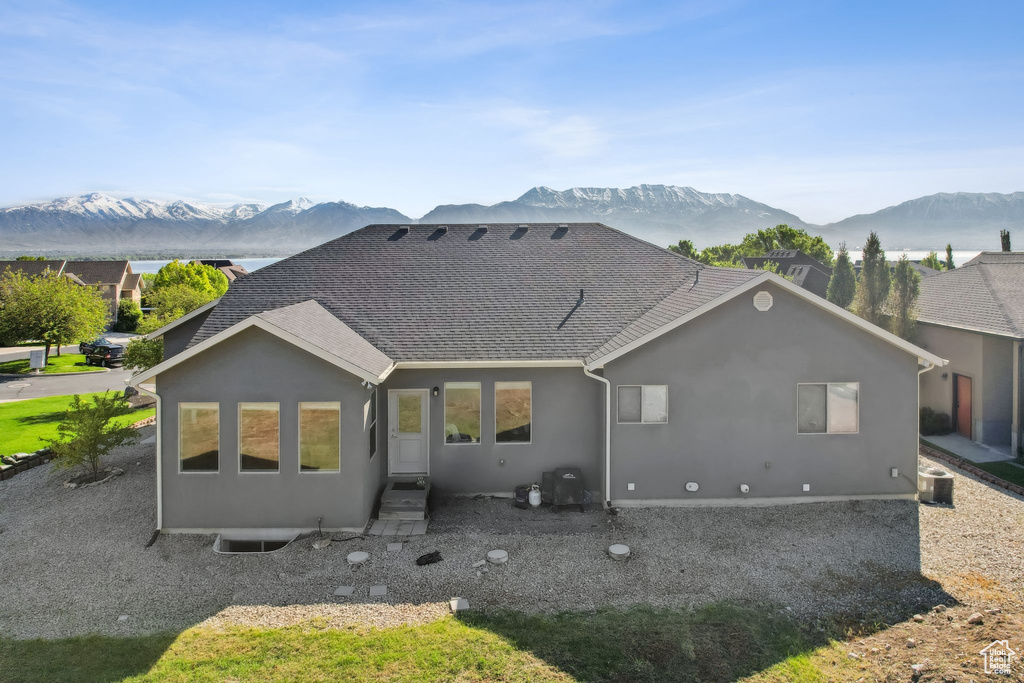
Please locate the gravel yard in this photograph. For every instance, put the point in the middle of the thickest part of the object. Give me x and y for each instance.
(75, 561)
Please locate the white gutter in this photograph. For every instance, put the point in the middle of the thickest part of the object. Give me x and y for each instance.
(607, 434)
(159, 461)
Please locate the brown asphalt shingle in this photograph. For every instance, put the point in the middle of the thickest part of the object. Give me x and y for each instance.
(97, 272)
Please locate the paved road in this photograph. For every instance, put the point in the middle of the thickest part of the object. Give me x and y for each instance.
(18, 352)
(13, 388)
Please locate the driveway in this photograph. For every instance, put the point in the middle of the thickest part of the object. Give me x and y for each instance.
(31, 386)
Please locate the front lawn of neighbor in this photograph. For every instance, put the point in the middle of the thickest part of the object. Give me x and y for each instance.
(1004, 470)
(69, 362)
(24, 424)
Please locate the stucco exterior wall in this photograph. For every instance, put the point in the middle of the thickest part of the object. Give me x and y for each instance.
(177, 338)
(566, 429)
(255, 366)
(988, 361)
(732, 379)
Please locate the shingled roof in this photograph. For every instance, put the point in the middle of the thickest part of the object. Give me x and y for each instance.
(98, 272)
(984, 295)
(477, 293)
(32, 268)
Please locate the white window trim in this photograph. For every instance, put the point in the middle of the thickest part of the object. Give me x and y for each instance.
(375, 413)
(511, 443)
(828, 401)
(199, 403)
(298, 438)
(480, 413)
(641, 422)
(238, 443)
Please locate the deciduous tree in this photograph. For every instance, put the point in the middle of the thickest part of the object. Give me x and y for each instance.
(87, 434)
(49, 308)
(204, 279)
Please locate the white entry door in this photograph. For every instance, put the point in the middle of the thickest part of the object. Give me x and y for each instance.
(408, 420)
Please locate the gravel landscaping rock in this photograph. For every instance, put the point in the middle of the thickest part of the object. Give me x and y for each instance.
(815, 559)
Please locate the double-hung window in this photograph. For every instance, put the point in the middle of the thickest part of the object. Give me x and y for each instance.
(643, 404)
(828, 408)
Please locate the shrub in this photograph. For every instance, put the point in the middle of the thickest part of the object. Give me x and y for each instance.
(933, 422)
(86, 433)
(143, 353)
(128, 316)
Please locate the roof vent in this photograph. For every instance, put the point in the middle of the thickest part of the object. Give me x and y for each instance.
(519, 232)
(398, 234)
(478, 233)
(442, 228)
(438, 233)
(559, 233)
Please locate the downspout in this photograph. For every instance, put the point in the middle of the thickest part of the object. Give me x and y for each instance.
(607, 435)
(159, 460)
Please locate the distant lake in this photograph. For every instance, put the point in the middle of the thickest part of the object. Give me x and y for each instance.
(250, 264)
(959, 257)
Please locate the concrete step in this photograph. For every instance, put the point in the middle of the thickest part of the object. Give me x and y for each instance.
(411, 514)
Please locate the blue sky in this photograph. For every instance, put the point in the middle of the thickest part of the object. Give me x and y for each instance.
(822, 108)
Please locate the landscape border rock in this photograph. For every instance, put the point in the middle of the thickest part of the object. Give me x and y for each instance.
(111, 472)
(968, 467)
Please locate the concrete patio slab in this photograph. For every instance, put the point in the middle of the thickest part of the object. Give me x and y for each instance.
(344, 591)
(394, 547)
(378, 591)
(969, 450)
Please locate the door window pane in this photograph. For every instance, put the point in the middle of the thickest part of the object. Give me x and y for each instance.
(320, 437)
(811, 404)
(258, 437)
(655, 403)
(512, 412)
(462, 412)
(629, 404)
(199, 437)
(842, 408)
(410, 414)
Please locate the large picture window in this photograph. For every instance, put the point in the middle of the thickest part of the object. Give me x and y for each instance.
(828, 408)
(643, 404)
(513, 412)
(462, 412)
(320, 437)
(199, 437)
(259, 440)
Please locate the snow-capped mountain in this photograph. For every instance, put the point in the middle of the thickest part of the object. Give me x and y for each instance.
(968, 220)
(659, 213)
(663, 214)
(100, 223)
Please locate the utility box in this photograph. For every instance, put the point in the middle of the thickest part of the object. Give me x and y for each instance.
(37, 359)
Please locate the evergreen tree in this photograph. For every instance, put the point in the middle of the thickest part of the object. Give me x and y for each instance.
(875, 282)
(843, 285)
(949, 257)
(906, 284)
(1004, 240)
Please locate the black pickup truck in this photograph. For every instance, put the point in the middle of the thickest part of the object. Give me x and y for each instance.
(108, 355)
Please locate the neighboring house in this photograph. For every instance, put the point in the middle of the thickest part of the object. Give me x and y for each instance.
(923, 271)
(482, 356)
(805, 271)
(33, 268)
(230, 269)
(974, 316)
(114, 279)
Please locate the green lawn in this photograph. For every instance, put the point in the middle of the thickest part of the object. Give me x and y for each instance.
(69, 362)
(716, 643)
(24, 424)
(1004, 470)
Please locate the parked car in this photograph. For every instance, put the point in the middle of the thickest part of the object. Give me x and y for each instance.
(108, 355)
(87, 347)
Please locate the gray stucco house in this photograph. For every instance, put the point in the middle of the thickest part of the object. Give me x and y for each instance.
(974, 316)
(482, 356)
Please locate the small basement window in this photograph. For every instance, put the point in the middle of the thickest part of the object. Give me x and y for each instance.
(238, 546)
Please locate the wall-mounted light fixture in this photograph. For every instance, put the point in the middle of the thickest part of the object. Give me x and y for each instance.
(436, 390)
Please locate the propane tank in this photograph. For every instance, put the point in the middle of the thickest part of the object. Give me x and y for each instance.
(534, 495)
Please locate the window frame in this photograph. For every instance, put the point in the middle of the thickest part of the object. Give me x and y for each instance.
(511, 443)
(828, 403)
(239, 441)
(298, 438)
(199, 403)
(371, 428)
(480, 414)
(642, 421)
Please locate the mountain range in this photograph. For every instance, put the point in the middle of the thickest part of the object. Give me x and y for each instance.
(100, 224)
